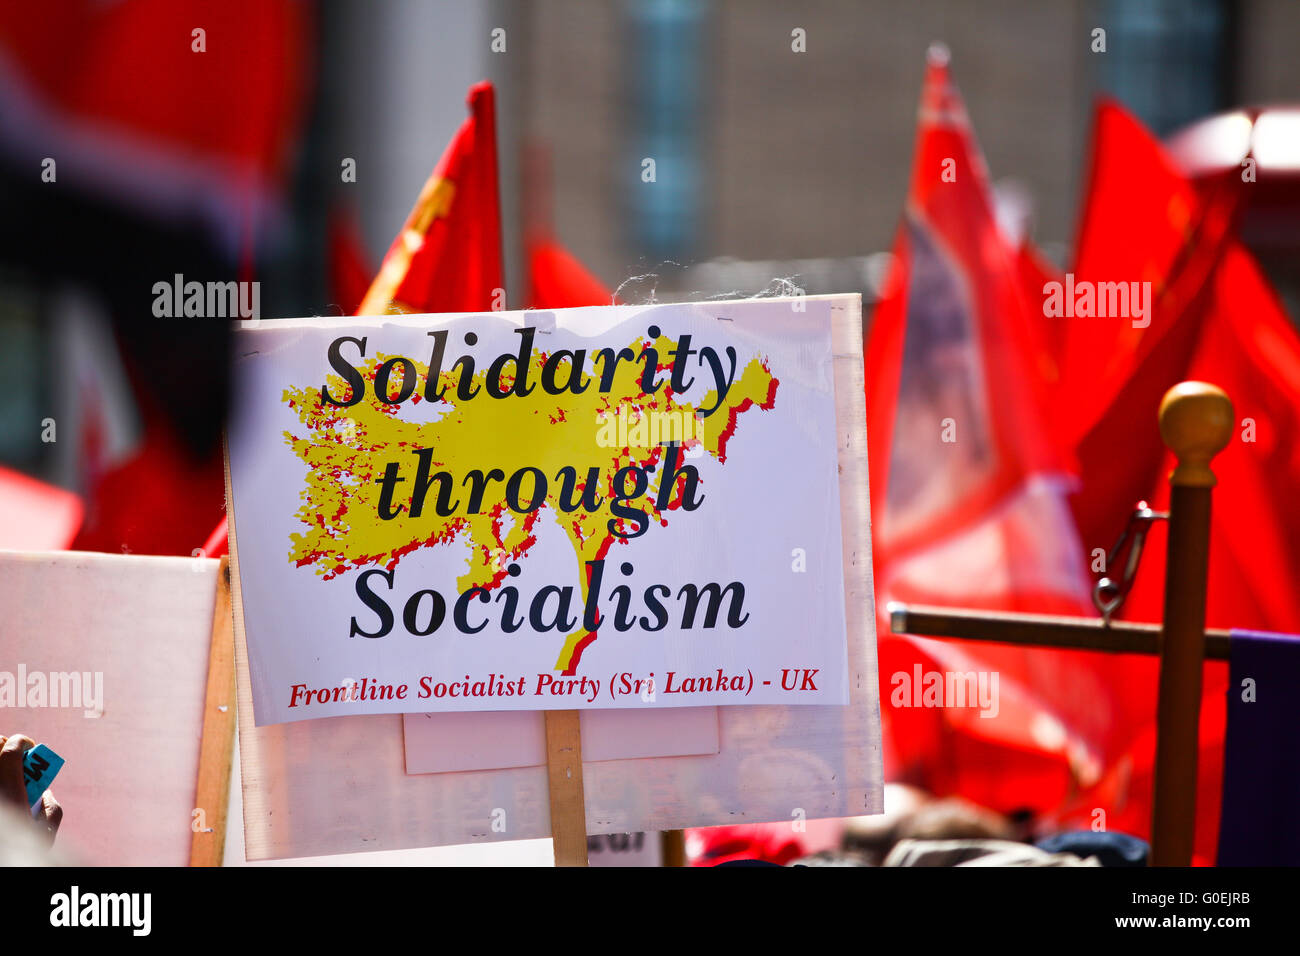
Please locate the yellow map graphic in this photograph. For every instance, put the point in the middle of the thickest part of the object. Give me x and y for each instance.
(347, 449)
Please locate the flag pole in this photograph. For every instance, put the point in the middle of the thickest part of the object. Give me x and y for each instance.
(1196, 421)
(1042, 630)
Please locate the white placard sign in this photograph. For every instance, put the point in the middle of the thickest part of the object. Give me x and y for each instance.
(618, 507)
(341, 785)
(117, 646)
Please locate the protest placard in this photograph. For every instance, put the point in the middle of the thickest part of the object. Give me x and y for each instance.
(346, 784)
(597, 508)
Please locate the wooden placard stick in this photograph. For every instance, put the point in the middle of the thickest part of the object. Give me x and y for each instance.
(1196, 422)
(217, 746)
(674, 847)
(564, 782)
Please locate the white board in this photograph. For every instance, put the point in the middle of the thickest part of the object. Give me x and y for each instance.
(141, 627)
(663, 524)
(339, 784)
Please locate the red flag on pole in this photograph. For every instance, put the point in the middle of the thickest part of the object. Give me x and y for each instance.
(557, 280)
(953, 397)
(969, 492)
(1247, 346)
(350, 271)
(447, 258)
(190, 119)
(1146, 229)
(1213, 318)
(1250, 349)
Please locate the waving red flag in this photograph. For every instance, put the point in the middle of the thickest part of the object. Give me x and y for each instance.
(1138, 218)
(350, 271)
(447, 258)
(185, 116)
(1142, 222)
(969, 491)
(557, 280)
(1214, 318)
(182, 120)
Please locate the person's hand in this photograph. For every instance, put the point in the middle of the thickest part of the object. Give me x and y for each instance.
(13, 788)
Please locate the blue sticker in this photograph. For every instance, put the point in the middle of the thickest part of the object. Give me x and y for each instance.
(40, 766)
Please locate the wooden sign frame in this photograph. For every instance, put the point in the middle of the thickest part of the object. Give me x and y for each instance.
(217, 746)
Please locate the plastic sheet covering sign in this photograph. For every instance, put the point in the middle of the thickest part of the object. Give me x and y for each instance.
(615, 507)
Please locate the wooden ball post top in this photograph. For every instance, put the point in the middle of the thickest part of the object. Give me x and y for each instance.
(1196, 423)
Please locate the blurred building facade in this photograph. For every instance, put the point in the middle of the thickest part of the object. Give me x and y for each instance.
(807, 154)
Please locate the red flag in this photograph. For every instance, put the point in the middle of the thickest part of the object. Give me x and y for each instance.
(556, 280)
(349, 270)
(1142, 222)
(954, 327)
(447, 258)
(161, 501)
(1217, 320)
(1035, 273)
(183, 118)
(187, 116)
(968, 492)
(1138, 216)
(217, 543)
(1251, 350)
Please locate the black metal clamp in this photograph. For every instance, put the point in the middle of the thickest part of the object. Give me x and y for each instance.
(1108, 594)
